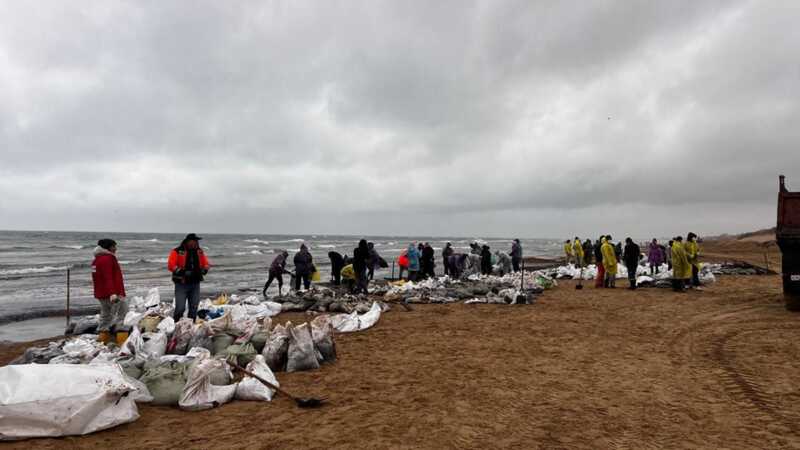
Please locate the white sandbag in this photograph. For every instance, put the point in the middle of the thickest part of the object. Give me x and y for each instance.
(84, 347)
(133, 345)
(184, 330)
(301, 354)
(38, 400)
(153, 298)
(132, 318)
(644, 280)
(707, 277)
(250, 388)
(141, 394)
(250, 300)
(221, 323)
(167, 326)
(347, 323)
(266, 309)
(199, 393)
(155, 344)
(136, 304)
(237, 312)
(195, 354)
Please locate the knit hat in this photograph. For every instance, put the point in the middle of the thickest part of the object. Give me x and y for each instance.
(106, 243)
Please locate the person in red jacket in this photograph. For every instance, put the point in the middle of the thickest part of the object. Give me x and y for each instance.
(109, 289)
(188, 264)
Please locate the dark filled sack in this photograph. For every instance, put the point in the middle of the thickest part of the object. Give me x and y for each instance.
(165, 382)
(301, 354)
(276, 347)
(86, 325)
(241, 354)
(259, 340)
(322, 334)
(221, 342)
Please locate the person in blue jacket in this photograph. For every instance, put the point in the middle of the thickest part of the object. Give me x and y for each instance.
(413, 262)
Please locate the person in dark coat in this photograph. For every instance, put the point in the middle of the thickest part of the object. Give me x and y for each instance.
(374, 260)
(337, 264)
(516, 254)
(303, 267)
(486, 260)
(447, 252)
(457, 263)
(474, 248)
(427, 261)
(276, 271)
(588, 251)
(617, 249)
(360, 262)
(631, 258)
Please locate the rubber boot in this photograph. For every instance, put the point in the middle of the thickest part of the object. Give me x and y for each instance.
(104, 337)
(121, 337)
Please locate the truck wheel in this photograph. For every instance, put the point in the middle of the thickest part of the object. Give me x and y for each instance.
(793, 303)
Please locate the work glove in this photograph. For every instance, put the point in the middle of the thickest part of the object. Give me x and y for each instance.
(204, 272)
(114, 298)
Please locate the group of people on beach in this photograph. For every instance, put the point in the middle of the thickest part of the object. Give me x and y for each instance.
(188, 265)
(681, 257)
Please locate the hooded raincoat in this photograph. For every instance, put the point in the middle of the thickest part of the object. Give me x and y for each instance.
(577, 247)
(692, 253)
(412, 254)
(609, 258)
(680, 264)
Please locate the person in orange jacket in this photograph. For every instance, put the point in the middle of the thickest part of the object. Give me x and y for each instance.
(188, 265)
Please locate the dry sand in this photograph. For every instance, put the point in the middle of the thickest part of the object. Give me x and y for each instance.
(590, 369)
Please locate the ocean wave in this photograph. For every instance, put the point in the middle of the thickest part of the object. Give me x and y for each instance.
(252, 246)
(14, 248)
(257, 241)
(325, 246)
(29, 270)
(147, 241)
(69, 247)
(255, 252)
(292, 240)
(157, 260)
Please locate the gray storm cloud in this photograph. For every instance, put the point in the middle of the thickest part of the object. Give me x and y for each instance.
(502, 118)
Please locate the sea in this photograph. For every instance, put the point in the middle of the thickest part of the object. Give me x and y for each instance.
(33, 264)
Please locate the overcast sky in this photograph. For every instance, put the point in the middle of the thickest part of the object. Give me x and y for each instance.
(488, 118)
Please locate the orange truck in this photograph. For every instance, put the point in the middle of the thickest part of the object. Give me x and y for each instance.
(788, 237)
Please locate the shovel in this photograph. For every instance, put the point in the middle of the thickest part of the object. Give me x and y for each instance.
(579, 286)
(301, 402)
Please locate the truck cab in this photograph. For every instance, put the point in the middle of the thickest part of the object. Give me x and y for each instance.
(787, 235)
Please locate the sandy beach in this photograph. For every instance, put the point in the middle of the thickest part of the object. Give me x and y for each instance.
(579, 369)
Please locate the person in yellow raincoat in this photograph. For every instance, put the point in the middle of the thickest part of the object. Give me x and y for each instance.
(609, 262)
(681, 270)
(567, 251)
(693, 257)
(577, 250)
